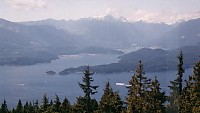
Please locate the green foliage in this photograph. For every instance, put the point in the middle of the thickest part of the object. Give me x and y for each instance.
(45, 103)
(28, 108)
(57, 104)
(4, 108)
(156, 98)
(19, 108)
(110, 101)
(36, 107)
(144, 95)
(190, 99)
(176, 87)
(81, 106)
(85, 103)
(136, 99)
(65, 106)
(180, 72)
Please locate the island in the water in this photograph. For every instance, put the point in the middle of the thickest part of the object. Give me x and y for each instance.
(154, 60)
(50, 72)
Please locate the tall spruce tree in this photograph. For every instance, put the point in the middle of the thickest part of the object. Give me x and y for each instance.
(4, 108)
(45, 103)
(36, 108)
(57, 104)
(190, 98)
(156, 98)
(19, 108)
(137, 96)
(110, 101)
(118, 102)
(65, 106)
(28, 108)
(195, 88)
(176, 87)
(186, 103)
(85, 103)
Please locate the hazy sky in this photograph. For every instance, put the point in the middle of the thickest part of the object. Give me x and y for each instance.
(148, 10)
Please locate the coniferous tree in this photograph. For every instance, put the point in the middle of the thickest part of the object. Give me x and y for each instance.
(186, 104)
(45, 103)
(190, 98)
(137, 95)
(117, 103)
(4, 108)
(176, 87)
(180, 72)
(65, 106)
(85, 103)
(51, 103)
(36, 108)
(28, 108)
(94, 105)
(105, 102)
(56, 105)
(110, 101)
(31, 108)
(195, 88)
(144, 95)
(50, 108)
(19, 108)
(156, 98)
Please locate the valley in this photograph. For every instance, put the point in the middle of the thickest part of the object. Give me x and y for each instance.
(32, 42)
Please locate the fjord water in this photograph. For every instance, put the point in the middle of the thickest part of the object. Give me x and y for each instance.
(30, 83)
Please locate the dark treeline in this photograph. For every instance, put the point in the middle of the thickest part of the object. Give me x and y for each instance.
(144, 96)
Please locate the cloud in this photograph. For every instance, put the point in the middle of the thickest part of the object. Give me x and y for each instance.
(108, 11)
(168, 17)
(162, 16)
(27, 4)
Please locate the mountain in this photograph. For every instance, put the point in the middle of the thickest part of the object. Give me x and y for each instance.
(152, 59)
(183, 34)
(24, 45)
(98, 50)
(94, 35)
(29, 44)
(102, 31)
(35, 36)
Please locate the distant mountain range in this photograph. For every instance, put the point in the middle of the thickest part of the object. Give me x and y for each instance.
(153, 60)
(46, 39)
(115, 33)
(25, 45)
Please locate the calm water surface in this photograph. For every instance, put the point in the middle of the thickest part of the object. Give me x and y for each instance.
(30, 83)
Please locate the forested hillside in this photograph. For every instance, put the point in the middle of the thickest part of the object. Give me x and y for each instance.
(154, 60)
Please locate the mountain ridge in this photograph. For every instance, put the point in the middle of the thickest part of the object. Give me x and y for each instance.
(102, 32)
(75, 36)
(154, 60)
(38, 44)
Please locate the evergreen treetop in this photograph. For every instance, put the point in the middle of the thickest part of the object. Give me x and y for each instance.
(176, 87)
(85, 102)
